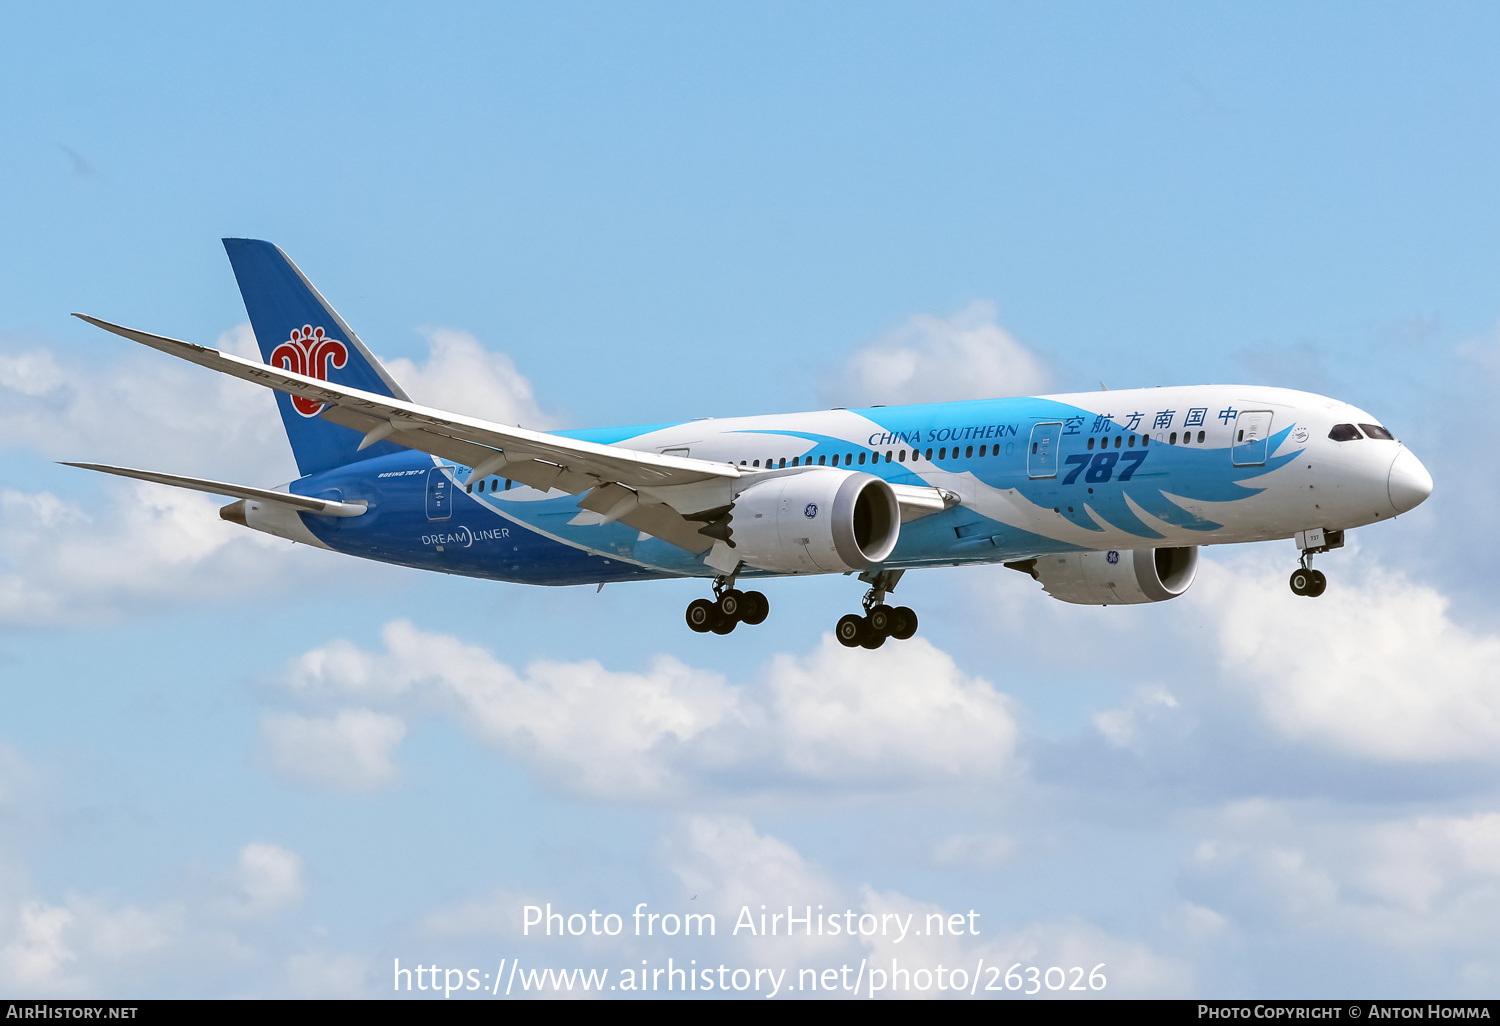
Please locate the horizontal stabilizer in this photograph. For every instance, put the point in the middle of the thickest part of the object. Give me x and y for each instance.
(305, 503)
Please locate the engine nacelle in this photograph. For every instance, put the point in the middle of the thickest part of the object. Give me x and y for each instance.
(818, 521)
(1117, 577)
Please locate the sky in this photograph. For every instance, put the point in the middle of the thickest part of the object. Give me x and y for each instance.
(231, 766)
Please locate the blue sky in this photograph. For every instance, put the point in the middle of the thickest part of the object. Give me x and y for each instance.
(229, 766)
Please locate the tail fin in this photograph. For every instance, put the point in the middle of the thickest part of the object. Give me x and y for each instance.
(298, 331)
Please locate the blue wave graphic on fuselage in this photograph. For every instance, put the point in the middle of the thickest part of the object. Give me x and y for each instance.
(525, 536)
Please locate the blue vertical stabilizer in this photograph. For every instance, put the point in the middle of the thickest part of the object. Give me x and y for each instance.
(298, 331)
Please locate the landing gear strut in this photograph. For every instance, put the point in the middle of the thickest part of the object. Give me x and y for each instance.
(1305, 580)
(728, 608)
(880, 620)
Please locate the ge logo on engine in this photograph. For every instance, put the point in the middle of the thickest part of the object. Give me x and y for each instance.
(811, 510)
(1113, 557)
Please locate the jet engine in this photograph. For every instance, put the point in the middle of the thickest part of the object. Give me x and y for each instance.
(1114, 578)
(815, 522)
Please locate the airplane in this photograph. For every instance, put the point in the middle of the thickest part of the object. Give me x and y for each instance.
(1105, 498)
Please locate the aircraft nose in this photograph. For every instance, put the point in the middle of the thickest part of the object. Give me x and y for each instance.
(1409, 483)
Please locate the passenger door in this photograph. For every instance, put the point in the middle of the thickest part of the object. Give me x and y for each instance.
(439, 493)
(1251, 429)
(1041, 460)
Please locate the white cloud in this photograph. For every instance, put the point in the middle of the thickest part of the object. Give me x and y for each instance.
(323, 974)
(931, 359)
(1374, 668)
(60, 564)
(61, 949)
(1428, 882)
(61, 561)
(461, 376)
(904, 710)
(89, 944)
(269, 878)
(350, 751)
(144, 409)
(903, 715)
(1128, 968)
(981, 851)
(726, 863)
(1121, 727)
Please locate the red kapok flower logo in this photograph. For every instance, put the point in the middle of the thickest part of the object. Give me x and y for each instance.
(311, 352)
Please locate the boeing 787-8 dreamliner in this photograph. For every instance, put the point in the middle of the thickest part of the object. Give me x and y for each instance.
(1103, 497)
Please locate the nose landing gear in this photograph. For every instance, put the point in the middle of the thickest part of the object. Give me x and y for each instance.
(1308, 582)
(1305, 580)
(880, 620)
(728, 608)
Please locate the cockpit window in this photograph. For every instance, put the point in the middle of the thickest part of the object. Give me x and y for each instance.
(1344, 433)
(1376, 431)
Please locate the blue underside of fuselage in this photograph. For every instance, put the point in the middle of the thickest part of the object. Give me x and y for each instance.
(523, 537)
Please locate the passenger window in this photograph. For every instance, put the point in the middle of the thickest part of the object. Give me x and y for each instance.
(982, 449)
(783, 463)
(943, 453)
(468, 488)
(1132, 441)
(929, 454)
(969, 452)
(1173, 439)
(1376, 431)
(756, 463)
(1119, 439)
(849, 459)
(1090, 445)
(861, 459)
(901, 456)
(822, 461)
(507, 484)
(1145, 441)
(1201, 436)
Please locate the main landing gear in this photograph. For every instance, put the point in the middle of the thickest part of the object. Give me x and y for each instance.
(1305, 580)
(727, 609)
(880, 620)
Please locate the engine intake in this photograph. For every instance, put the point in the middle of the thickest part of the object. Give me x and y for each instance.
(1114, 578)
(817, 521)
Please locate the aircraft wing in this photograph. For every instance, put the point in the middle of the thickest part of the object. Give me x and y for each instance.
(670, 497)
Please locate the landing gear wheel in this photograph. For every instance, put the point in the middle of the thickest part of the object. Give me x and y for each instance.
(850, 630)
(882, 620)
(873, 638)
(732, 605)
(755, 608)
(1301, 581)
(724, 624)
(702, 615)
(903, 622)
(1317, 585)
